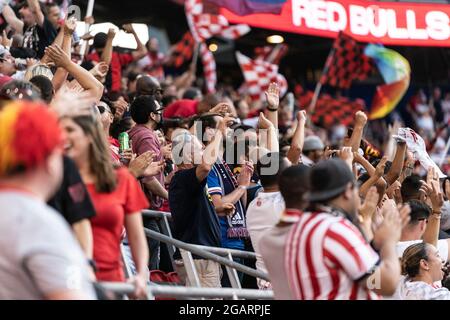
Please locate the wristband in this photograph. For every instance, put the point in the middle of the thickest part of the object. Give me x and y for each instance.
(273, 110)
(93, 264)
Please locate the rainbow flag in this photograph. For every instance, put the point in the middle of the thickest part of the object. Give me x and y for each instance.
(245, 7)
(395, 70)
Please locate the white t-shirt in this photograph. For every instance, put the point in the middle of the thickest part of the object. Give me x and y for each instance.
(419, 290)
(39, 254)
(307, 161)
(263, 213)
(442, 247)
(272, 247)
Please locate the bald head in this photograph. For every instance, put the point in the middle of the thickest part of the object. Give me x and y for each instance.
(147, 85)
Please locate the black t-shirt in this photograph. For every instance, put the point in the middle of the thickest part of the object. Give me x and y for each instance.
(38, 38)
(72, 199)
(194, 218)
(439, 112)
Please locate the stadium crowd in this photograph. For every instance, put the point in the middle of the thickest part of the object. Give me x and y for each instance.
(339, 212)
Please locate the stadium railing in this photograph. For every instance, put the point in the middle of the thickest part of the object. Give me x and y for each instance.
(222, 256)
(180, 292)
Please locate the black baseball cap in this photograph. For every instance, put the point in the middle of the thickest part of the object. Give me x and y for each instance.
(328, 179)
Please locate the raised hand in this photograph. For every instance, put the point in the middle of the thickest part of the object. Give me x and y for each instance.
(87, 36)
(70, 25)
(222, 108)
(360, 118)
(273, 95)
(369, 205)
(111, 33)
(447, 189)
(89, 20)
(100, 70)
(328, 152)
(121, 106)
(436, 196)
(392, 190)
(390, 229)
(246, 174)
(144, 165)
(128, 28)
(263, 122)
(167, 151)
(6, 42)
(58, 56)
(31, 62)
(71, 103)
(379, 170)
(301, 116)
(346, 154)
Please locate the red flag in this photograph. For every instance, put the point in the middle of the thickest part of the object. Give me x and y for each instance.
(258, 74)
(183, 50)
(204, 26)
(346, 63)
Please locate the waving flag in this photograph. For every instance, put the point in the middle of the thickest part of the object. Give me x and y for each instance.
(417, 146)
(204, 26)
(346, 63)
(245, 7)
(395, 70)
(271, 54)
(183, 50)
(258, 74)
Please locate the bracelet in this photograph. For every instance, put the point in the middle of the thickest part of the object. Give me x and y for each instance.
(273, 110)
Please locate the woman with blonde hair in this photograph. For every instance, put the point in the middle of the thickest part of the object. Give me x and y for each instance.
(117, 198)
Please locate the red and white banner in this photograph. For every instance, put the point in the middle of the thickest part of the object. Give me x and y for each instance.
(390, 23)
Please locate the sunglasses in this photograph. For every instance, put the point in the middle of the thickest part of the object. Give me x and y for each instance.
(102, 109)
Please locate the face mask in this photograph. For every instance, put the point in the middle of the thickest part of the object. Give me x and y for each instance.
(159, 125)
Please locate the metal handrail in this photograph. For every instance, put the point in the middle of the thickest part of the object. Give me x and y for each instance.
(189, 292)
(206, 254)
(224, 252)
(156, 214)
(220, 251)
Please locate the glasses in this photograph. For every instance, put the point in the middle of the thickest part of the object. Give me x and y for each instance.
(159, 111)
(102, 109)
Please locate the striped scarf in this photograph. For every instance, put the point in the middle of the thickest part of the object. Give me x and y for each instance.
(236, 222)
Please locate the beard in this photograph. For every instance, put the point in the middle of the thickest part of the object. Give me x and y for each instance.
(159, 125)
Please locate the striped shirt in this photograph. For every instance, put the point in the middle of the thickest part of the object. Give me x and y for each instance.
(326, 256)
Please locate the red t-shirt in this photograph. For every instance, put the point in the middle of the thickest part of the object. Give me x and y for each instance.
(114, 146)
(118, 61)
(182, 108)
(108, 224)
